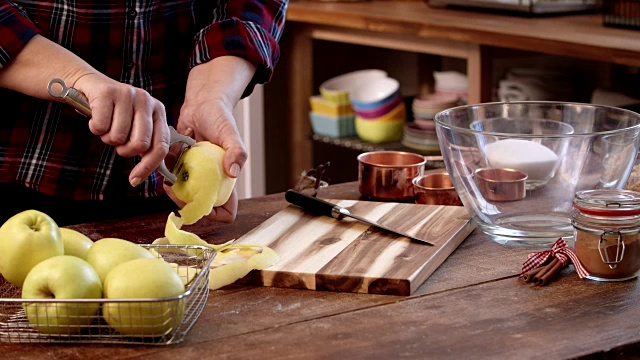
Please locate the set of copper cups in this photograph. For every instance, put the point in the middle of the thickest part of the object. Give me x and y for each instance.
(400, 176)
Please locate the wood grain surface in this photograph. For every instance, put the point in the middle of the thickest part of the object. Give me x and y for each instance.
(577, 35)
(471, 307)
(322, 253)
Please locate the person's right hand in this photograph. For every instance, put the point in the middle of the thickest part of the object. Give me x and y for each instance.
(129, 119)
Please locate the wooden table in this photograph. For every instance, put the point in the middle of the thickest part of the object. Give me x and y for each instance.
(472, 307)
(412, 26)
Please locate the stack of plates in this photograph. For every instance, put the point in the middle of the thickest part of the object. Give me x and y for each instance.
(420, 139)
(421, 134)
(426, 107)
(451, 83)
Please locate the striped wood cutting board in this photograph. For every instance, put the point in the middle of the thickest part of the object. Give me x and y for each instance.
(322, 253)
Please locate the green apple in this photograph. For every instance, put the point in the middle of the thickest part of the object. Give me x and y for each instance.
(61, 277)
(26, 239)
(202, 183)
(107, 253)
(143, 279)
(75, 243)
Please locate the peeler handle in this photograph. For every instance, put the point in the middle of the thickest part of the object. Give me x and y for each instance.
(79, 101)
(70, 96)
(312, 204)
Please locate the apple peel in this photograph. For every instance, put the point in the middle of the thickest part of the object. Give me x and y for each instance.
(236, 261)
(176, 236)
(232, 261)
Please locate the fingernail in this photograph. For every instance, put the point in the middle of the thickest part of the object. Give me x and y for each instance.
(235, 170)
(136, 181)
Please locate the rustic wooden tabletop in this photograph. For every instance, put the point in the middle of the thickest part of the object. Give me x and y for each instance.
(472, 306)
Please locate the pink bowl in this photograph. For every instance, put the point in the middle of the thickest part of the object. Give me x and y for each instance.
(425, 124)
(378, 111)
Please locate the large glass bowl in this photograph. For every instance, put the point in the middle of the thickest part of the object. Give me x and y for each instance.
(561, 147)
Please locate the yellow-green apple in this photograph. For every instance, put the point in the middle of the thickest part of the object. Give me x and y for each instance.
(61, 277)
(143, 279)
(26, 239)
(202, 183)
(75, 243)
(107, 253)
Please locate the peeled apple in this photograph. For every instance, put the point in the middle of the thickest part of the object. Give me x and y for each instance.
(201, 181)
(202, 184)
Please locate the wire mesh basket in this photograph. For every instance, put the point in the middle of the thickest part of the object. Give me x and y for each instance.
(161, 321)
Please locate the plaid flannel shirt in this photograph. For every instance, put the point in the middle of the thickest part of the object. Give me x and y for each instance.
(149, 44)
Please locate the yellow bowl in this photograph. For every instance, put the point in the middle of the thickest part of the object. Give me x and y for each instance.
(378, 132)
(338, 96)
(320, 105)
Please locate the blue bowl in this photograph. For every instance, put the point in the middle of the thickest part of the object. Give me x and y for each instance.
(333, 126)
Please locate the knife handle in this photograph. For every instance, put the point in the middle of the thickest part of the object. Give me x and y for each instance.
(312, 204)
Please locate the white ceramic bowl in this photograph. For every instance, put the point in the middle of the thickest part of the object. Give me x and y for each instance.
(337, 89)
(373, 93)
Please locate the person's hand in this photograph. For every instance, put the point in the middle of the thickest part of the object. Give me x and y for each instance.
(123, 116)
(129, 119)
(213, 90)
(213, 121)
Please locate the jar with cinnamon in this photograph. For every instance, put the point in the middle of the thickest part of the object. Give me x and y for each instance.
(607, 233)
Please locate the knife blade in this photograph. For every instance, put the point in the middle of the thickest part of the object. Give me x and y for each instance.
(322, 207)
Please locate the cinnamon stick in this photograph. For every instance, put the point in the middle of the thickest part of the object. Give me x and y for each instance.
(528, 276)
(541, 280)
(545, 269)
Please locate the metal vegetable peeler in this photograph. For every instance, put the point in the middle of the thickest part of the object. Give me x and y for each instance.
(79, 102)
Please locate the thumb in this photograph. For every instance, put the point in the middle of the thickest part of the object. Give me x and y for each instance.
(234, 159)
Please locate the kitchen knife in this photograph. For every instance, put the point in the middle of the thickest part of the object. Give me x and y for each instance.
(321, 207)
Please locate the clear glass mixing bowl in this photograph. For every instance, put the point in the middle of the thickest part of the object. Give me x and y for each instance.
(562, 147)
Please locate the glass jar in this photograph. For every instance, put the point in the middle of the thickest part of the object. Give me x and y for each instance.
(607, 233)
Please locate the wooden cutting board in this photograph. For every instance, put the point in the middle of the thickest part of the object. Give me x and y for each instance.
(322, 253)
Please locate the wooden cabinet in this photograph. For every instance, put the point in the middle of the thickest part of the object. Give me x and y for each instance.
(422, 36)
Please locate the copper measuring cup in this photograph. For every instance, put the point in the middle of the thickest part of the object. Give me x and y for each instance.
(501, 184)
(435, 189)
(388, 175)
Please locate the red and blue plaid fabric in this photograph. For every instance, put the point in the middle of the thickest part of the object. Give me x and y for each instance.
(47, 146)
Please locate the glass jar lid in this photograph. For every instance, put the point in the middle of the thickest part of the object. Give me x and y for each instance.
(607, 202)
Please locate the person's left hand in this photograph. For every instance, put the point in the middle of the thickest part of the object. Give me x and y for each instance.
(213, 90)
(196, 121)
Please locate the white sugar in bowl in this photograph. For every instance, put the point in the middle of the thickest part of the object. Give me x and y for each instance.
(536, 160)
(531, 145)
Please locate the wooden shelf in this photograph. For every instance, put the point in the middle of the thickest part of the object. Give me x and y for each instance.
(473, 37)
(357, 144)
